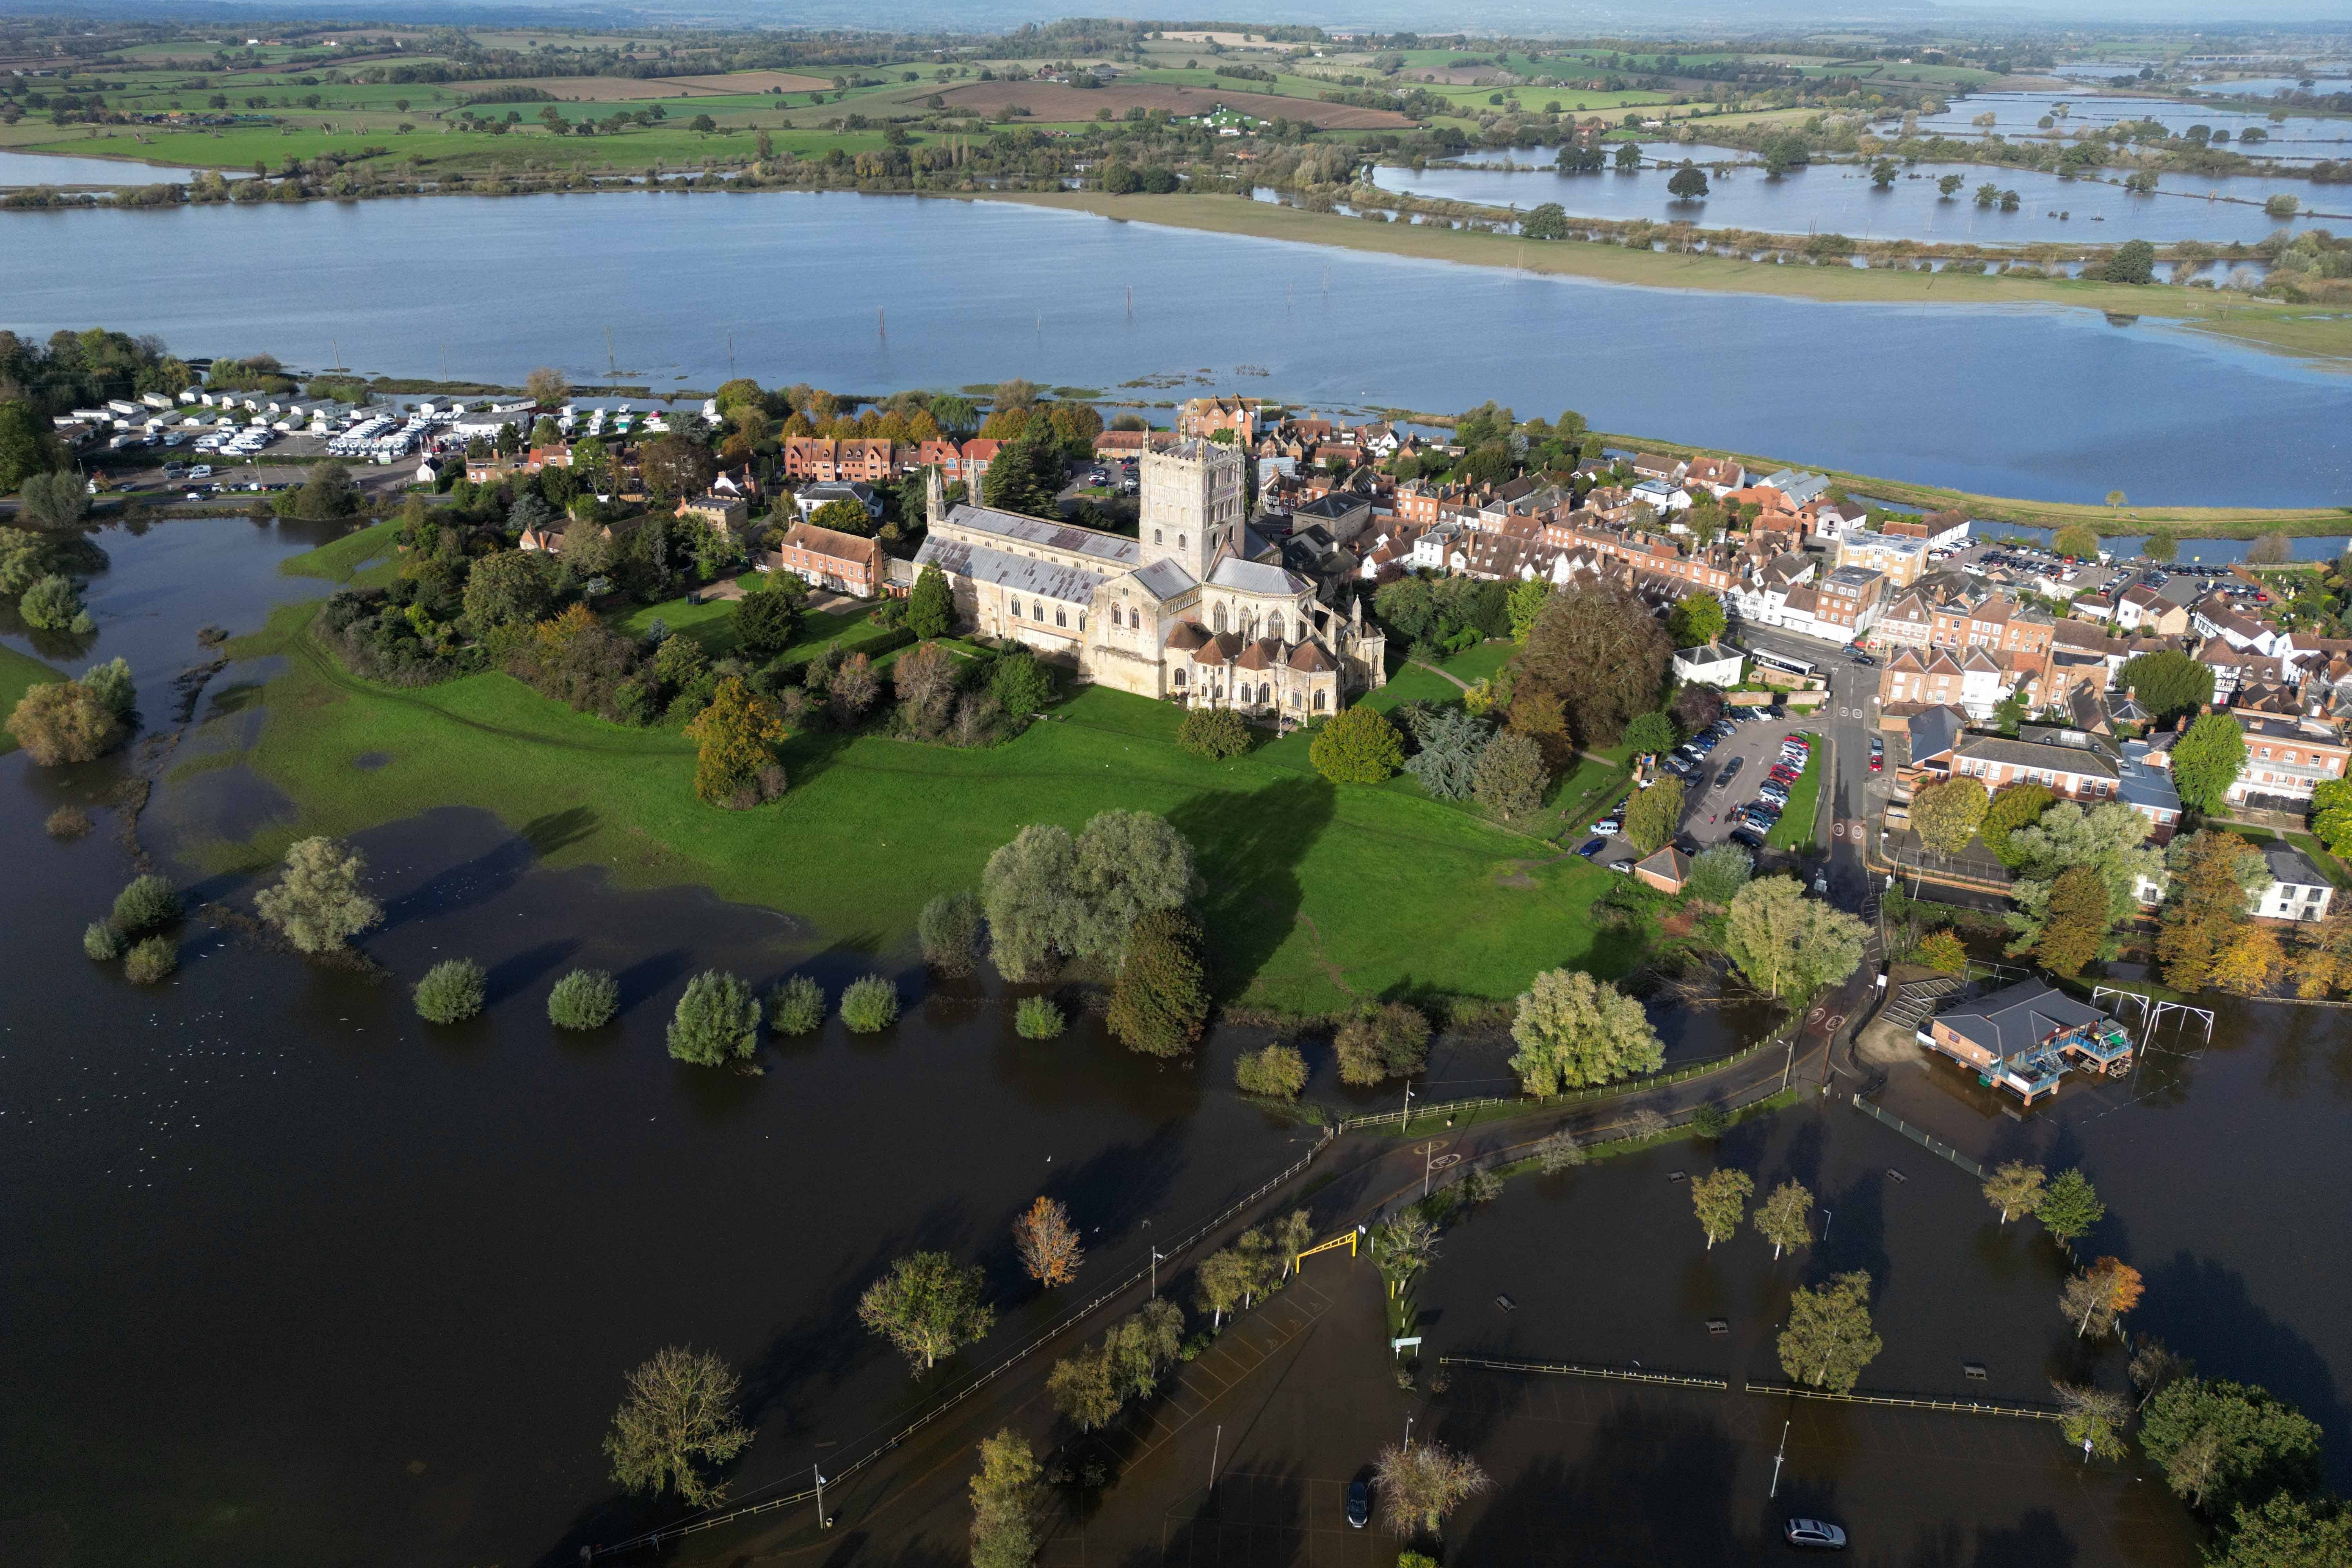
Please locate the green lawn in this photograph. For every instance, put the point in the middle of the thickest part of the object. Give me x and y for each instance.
(1795, 828)
(1315, 894)
(19, 672)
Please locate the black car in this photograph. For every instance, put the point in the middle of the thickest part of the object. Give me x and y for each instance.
(1747, 837)
(1865, 659)
(1730, 769)
(1359, 1505)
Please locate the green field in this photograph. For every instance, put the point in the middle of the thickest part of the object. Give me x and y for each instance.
(1317, 894)
(1795, 828)
(19, 672)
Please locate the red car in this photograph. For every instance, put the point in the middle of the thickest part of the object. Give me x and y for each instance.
(1876, 761)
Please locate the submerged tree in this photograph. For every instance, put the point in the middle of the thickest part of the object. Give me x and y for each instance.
(678, 1417)
(316, 901)
(2015, 1188)
(1047, 1243)
(1783, 1218)
(1418, 1486)
(927, 1307)
(1007, 1497)
(1828, 1337)
(1720, 1200)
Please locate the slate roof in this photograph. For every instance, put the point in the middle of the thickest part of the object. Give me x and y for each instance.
(1936, 731)
(1255, 577)
(1021, 573)
(1165, 579)
(2144, 784)
(2019, 1018)
(2088, 760)
(2289, 867)
(1110, 549)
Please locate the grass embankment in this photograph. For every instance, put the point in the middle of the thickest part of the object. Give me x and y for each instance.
(1316, 896)
(2305, 331)
(1795, 829)
(345, 558)
(20, 672)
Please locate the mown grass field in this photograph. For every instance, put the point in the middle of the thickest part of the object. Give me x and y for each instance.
(18, 673)
(1317, 894)
(1795, 828)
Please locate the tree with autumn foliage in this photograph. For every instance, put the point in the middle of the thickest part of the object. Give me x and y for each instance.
(736, 766)
(2250, 964)
(2095, 1297)
(1047, 1243)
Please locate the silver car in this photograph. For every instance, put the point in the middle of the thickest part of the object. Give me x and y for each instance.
(1817, 1533)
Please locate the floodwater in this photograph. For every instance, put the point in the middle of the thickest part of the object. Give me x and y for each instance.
(45, 168)
(2193, 1156)
(295, 1279)
(1838, 198)
(2019, 114)
(2202, 551)
(870, 294)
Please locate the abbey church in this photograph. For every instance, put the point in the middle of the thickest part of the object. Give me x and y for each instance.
(1197, 608)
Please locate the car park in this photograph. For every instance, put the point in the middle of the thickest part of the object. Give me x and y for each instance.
(1817, 1534)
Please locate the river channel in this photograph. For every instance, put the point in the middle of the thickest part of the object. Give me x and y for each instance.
(870, 294)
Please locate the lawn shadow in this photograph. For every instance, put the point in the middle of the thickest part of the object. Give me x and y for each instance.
(2203, 1310)
(1655, 1485)
(558, 829)
(511, 974)
(1248, 849)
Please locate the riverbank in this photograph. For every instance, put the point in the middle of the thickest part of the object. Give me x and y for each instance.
(1304, 880)
(2310, 332)
(2107, 522)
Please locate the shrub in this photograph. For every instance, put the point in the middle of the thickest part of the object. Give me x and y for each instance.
(1942, 950)
(1359, 746)
(52, 604)
(1710, 1120)
(317, 902)
(1160, 1002)
(1279, 1071)
(949, 928)
(1037, 1019)
(451, 992)
(150, 961)
(65, 722)
(1391, 1041)
(583, 999)
(1216, 734)
(869, 1005)
(716, 1020)
(68, 823)
(98, 941)
(147, 903)
(796, 1007)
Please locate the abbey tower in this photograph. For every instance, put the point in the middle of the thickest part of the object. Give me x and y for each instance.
(1192, 505)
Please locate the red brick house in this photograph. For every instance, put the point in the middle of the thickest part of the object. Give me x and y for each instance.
(826, 558)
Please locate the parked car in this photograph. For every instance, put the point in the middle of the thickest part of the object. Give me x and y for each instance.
(1748, 838)
(1359, 1505)
(1730, 769)
(1593, 847)
(1863, 659)
(201, 471)
(1609, 825)
(1815, 1533)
